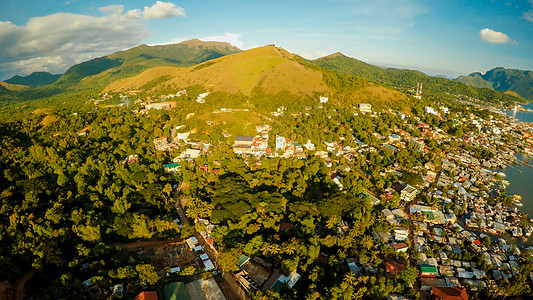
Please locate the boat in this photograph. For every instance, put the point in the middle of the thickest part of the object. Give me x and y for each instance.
(519, 204)
(528, 231)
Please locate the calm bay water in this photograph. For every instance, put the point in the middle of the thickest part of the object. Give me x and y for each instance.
(523, 116)
(521, 182)
(520, 177)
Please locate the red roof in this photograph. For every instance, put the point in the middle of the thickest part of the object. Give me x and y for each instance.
(286, 226)
(448, 293)
(477, 242)
(404, 132)
(400, 246)
(150, 295)
(393, 268)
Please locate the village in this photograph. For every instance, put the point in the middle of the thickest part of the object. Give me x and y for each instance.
(461, 218)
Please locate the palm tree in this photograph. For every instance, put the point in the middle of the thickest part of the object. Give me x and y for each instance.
(350, 278)
(367, 242)
(332, 222)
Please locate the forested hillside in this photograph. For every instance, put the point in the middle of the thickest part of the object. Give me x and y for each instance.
(34, 79)
(502, 79)
(407, 79)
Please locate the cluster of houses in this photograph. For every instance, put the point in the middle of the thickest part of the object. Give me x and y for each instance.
(257, 146)
(462, 179)
(458, 183)
(255, 274)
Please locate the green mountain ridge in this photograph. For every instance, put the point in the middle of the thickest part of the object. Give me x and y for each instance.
(99, 72)
(126, 70)
(34, 79)
(476, 80)
(502, 79)
(406, 79)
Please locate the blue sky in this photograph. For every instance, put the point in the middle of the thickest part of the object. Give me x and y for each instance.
(438, 37)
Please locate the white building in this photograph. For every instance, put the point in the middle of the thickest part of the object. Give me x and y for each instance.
(430, 110)
(201, 98)
(280, 142)
(365, 107)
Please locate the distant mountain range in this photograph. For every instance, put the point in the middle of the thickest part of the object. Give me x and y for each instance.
(99, 72)
(9, 87)
(269, 68)
(404, 78)
(264, 70)
(217, 66)
(502, 79)
(34, 79)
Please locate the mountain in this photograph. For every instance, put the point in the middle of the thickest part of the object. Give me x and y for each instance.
(99, 72)
(475, 79)
(34, 79)
(406, 79)
(268, 69)
(352, 66)
(502, 79)
(9, 87)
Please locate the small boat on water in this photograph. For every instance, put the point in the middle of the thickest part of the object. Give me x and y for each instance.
(519, 204)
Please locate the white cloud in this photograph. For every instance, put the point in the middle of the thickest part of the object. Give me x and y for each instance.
(55, 42)
(389, 8)
(306, 55)
(528, 15)
(134, 14)
(494, 37)
(322, 53)
(163, 10)
(311, 56)
(112, 9)
(384, 19)
(232, 38)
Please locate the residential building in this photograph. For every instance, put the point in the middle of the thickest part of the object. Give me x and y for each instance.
(408, 193)
(448, 293)
(161, 105)
(430, 110)
(243, 144)
(365, 107)
(277, 280)
(429, 271)
(171, 168)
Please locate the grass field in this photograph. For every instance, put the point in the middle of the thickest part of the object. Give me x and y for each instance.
(49, 119)
(265, 67)
(42, 111)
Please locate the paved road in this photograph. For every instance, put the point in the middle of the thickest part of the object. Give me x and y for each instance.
(235, 288)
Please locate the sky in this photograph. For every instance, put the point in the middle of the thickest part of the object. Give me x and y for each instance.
(438, 37)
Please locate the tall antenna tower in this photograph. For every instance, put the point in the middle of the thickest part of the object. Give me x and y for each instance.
(418, 93)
